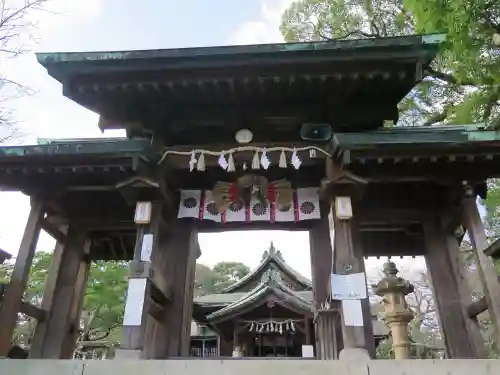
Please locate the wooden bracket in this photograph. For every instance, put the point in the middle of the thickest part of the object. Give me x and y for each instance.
(53, 230)
(161, 290)
(33, 311)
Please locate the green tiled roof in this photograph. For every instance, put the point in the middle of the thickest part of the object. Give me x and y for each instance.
(176, 56)
(222, 299)
(271, 284)
(272, 257)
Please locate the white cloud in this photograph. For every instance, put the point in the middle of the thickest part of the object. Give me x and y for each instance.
(266, 28)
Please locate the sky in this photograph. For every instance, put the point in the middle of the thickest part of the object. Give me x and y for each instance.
(104, 25)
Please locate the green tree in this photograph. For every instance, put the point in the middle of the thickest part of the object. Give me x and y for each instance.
(16, 37)
(104, 301)
(103, 304)
(461, 86)
(223, 274)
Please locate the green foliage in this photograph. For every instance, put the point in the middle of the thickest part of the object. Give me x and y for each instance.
(463, 84)
(222, 275)
(104, 301)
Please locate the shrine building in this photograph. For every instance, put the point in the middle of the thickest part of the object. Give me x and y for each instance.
(267, 313)
(289, 136)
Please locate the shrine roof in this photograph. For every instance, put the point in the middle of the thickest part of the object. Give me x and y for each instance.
(446, 135)
(224, 299)
(59, 63)
(59, 148)
(271, 258)
(203, 93)
(4, 256)
(426, 135)
(270, 285)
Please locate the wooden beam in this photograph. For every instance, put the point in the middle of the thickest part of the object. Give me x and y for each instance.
(66, 294)
(37, 343)
(451, 292)
(477, 307)
(486, 269)
(156, 310)
(161, 289)
(160, 286)
(53, 230)
(12, 300)
(33, 311)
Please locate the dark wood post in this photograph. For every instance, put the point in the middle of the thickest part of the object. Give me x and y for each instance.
(58, 333)
(321, 269)
(346, 261)
(11, 302)
(136, 319)
(181, 249)
(348, 254)
(461, 334)
(48, 296)
(486, 270)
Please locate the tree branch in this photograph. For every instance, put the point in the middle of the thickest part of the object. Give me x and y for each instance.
(448, 78)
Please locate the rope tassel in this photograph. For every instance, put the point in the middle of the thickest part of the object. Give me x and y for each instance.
(230, 163)
(201, 163)
(282, 161)
(256, 161)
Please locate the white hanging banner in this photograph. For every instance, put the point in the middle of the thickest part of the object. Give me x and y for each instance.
(209, 211)
(147, 247)
(190, 204)
(308, 204)
(259, 211)
(284, 214)
(352, 313)
(135, 302)
(236, 212)
(198, 204)
(352, 286)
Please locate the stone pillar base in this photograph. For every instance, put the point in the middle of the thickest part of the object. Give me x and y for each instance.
(354, 355)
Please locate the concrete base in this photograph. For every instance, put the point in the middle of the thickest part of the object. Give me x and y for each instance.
(358, 355)
(246, 367)
(127, 354)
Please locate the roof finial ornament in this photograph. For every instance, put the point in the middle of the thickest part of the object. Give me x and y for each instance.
(272, 249)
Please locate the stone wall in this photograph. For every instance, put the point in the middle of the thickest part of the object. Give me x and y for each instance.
(249, 367)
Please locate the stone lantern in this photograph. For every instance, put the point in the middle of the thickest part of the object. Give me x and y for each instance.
(397, 315)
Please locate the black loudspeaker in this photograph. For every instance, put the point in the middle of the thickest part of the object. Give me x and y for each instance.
(315, 132)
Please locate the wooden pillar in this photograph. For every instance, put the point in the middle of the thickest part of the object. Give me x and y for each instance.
(307, 329)
(461, 334)
(343, 187)
(56, 337)
(326, 347)
(348, 260)
(321, 269)
(71, 338)
(48, 296)
(237, 352)
(175, 252)
(136, 319)
(12, 298)
(358, 253)
(486, 270)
